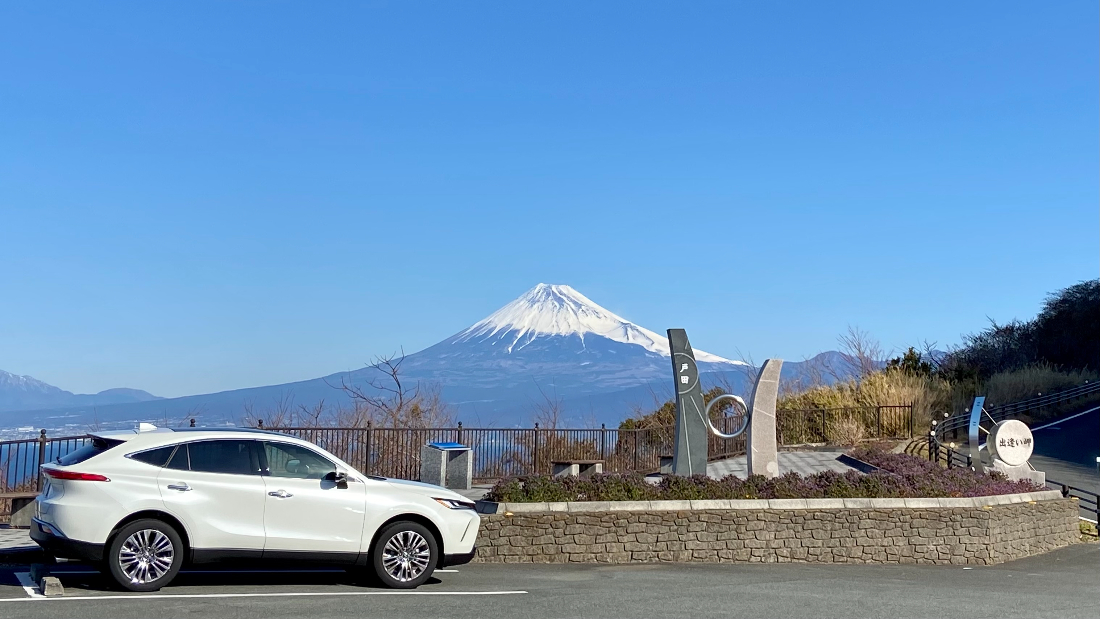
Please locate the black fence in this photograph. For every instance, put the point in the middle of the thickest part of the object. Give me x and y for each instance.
(840, 426)
(504, 452)
(20, 459)
(498, 453)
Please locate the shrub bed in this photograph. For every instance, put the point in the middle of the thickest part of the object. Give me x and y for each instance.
(903, 476)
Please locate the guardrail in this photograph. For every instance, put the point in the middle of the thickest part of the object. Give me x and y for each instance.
(1087, 500)
(1005, 411)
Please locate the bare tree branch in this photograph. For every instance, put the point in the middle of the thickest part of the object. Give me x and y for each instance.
(548, 411)
(861, 353)
(391, 402)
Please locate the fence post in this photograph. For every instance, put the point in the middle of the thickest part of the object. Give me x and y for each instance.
(41, 459)
(635, 433)
(535, 466)
(603, 442)
(911, 421)
(459, 433)
(366, 459)
(878, 422)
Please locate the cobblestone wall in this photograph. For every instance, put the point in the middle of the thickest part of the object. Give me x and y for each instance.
(972, 535)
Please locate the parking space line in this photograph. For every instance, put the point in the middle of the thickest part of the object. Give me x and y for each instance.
(243, 572)
(191, 596)
(28, 585)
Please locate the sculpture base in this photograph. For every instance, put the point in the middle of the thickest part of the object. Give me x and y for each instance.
(1022, 471)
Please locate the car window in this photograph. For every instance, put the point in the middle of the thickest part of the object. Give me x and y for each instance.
(88, 450)
(179, 460)
(156, 457)
(295, 461)
(230, 457)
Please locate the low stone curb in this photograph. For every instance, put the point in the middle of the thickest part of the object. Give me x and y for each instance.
(489, 507)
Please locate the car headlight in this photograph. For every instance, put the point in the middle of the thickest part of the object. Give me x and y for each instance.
(454, 503)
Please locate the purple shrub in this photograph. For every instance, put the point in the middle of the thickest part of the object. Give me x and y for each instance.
(901, 476)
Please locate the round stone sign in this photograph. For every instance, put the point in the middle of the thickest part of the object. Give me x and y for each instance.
(1011, 441)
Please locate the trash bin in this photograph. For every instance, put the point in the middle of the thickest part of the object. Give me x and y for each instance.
(447, 464)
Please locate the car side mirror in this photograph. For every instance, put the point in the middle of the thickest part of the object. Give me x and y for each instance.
(340, 478)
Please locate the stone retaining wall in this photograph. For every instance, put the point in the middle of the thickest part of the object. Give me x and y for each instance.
(980, 531)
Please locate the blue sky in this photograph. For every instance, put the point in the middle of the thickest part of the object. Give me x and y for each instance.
(205, 196)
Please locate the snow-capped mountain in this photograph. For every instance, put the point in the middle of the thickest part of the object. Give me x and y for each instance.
(551, 337)
(552, 341)
(559, 310)
(26, 392)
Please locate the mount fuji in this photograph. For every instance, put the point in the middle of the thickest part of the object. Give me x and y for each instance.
(551, 342)
(552, 335)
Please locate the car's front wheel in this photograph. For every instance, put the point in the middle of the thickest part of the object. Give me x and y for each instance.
(405, 555)
(145, 555)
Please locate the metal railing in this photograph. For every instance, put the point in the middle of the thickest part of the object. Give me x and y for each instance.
(830, 425)
(961, 420)
(20, 460)
(504, 452)
(1087, 500)
(499, 452)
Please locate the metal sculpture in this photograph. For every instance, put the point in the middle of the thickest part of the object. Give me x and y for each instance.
(693, 420)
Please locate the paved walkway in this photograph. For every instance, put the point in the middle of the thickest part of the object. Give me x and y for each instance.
(803, 462)
(476, 492)
(16, 539)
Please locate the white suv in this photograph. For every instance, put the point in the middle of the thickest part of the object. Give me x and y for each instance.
(141, 503)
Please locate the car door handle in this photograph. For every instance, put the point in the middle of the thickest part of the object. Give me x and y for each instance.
(182, 487)
(282, 494)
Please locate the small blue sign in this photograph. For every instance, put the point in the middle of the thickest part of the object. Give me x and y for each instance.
(447, 446)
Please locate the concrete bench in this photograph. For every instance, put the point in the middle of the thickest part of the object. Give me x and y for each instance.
(576, 468)
(22, 508)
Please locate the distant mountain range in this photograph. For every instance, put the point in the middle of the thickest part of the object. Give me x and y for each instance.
(25, 393)
(551, 342)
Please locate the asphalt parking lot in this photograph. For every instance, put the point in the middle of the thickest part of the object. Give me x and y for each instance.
(1063, 584)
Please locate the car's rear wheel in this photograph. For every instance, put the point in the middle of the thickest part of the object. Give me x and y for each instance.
(145, 555)
(404, 555)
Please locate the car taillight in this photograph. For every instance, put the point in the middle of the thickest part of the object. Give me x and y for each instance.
(73, 475)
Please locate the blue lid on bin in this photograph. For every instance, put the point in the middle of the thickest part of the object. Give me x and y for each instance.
(446, 446)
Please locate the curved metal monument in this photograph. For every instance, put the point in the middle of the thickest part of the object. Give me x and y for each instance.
(1009, 444)
(693, 417)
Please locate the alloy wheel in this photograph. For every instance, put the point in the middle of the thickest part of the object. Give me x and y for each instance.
(406, 556)
(146, 556)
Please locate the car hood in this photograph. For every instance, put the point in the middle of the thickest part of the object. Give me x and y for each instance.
(426, 489)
